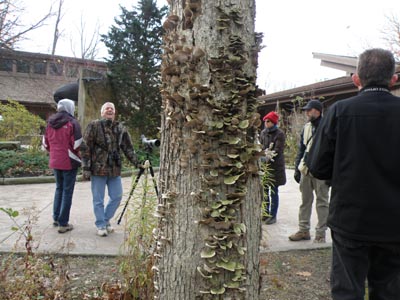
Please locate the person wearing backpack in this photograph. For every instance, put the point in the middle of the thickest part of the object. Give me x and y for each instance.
(308, 183)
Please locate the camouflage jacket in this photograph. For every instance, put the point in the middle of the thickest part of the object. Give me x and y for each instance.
(103, 143)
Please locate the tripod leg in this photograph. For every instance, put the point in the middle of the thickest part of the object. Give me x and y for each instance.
(154, 180)
(141, 171)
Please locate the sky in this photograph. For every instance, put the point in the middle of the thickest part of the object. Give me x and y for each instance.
(292, 30)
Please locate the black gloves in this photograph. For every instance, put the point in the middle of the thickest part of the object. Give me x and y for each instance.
(297, 175)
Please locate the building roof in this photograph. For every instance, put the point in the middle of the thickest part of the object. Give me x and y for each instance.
(327, 88)
(338, 62)
(33, 90)
(328, 91)
(32, 78)
(49, 57)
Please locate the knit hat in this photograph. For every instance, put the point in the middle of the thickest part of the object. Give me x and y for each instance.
(66, 105)
(272, 116)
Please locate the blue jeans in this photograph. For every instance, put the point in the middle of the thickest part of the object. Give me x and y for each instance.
(65, 184)
(272, 201)
(114, 186)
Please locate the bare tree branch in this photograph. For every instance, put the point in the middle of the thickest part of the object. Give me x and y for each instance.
(391, 34)
(91, 43)
(11, 28)
(88, 42)
(57, 33)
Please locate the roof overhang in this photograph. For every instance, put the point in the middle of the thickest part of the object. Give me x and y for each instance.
(338, 62)
(328, 92)
(323, 89)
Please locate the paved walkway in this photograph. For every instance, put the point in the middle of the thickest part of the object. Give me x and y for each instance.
(35, 200)
(275, 237)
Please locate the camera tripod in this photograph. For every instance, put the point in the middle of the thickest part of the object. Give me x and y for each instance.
(146, 166)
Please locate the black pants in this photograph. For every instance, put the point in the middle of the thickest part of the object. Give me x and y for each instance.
(354, 261)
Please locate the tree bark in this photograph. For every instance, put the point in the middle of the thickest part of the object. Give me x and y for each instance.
(210, 209)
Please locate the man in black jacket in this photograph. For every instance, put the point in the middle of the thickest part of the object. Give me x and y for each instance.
(308, 183)
(357, 148)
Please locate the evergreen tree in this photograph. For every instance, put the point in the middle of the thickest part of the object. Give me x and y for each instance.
(134, 44)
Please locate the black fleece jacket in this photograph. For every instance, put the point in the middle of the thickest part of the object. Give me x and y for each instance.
(357, 146)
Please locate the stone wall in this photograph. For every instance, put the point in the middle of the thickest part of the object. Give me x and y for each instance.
(93, 93)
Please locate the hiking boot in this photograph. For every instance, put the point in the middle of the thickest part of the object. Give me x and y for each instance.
(109, 228)
(319, 239)
(64, 229)
(270, 220)
(102, 232)
(300, 235)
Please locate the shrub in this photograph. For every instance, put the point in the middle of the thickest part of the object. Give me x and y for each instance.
(29, 276)
(153, 156)
(294, 122)
(33, 162)
(23, 163)
(17, 120)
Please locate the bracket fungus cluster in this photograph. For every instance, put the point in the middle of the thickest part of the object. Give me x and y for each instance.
(219, 121)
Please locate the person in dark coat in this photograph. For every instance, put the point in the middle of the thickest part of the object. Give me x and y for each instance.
(273, 143)
(357, 148)
(309, 185)
(62, 140)
(105, 140)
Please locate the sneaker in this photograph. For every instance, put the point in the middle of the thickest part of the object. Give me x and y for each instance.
(56, 224)
(109, 228)
(270, 220)
(102, 232)
(300, 235)
(64, 229)
(319, 239)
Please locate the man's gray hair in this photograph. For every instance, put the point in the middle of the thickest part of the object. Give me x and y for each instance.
(376, 67)
(104, 107)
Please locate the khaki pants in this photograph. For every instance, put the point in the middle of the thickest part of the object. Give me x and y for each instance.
(309, 185)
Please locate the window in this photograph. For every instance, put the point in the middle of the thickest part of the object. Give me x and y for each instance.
(72, 71)
(56, 69)
(39, 67)
(22, 66)
(6, 64)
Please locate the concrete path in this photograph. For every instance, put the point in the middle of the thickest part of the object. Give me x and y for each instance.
(275, 237)
(34, 202)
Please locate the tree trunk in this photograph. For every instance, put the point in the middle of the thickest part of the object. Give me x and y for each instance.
(210, 209)
(57, 33)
